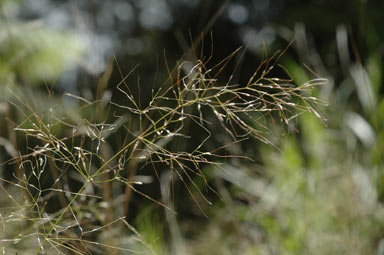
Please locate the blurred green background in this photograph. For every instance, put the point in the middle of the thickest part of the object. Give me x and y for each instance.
(321, 192)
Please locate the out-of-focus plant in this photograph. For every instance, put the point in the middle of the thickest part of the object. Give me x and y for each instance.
(34, 53)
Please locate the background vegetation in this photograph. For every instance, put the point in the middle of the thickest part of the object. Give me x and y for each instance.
(129, 127)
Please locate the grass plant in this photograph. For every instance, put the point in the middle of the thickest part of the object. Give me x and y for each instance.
(72, 186)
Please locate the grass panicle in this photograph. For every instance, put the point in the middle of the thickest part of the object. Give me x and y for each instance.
(70, 165)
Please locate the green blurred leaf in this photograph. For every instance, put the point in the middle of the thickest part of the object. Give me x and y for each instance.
(35, 52)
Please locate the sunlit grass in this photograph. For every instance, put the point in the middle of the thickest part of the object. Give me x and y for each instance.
(68, 182)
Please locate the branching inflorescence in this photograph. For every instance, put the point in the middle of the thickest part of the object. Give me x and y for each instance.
(198, 100)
